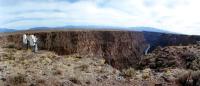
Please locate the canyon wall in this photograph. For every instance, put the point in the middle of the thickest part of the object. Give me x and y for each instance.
(163, 39)
(121, 49)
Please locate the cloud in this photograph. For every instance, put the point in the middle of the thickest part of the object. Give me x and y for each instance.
(174, 15)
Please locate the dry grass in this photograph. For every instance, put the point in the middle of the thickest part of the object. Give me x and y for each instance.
(38, 68)
(83, 67)
(129, 72)
(10, 45)
(18, 79)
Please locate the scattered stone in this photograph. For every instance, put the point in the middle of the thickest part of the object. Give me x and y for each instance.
(119, 78)
(99, 79)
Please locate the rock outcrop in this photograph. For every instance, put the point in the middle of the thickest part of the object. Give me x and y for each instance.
(173, 56)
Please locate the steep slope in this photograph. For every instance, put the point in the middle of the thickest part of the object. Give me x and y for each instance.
(173, 56)
(120, 49)
(163, 39)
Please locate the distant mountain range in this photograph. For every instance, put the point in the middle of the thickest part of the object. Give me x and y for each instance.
(143, 29)
(92, 27)
(149, 29)
(7, 30)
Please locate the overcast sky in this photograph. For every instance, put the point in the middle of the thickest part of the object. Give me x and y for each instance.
(181, 16)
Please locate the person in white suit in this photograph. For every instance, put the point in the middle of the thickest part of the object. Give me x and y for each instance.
(33, 43)
(25, 41)
(30, 41)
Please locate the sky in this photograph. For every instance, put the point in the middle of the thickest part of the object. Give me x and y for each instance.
(182, 16)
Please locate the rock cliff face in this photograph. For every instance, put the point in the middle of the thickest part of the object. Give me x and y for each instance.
(162, 39)
(121, 49)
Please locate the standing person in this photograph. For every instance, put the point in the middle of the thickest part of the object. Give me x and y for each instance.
(33, 43)
(28, 43)
(25, 41)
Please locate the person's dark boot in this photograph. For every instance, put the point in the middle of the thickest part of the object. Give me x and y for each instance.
(27, 45)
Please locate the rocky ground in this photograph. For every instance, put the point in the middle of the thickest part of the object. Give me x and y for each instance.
(186, 58)
(25, 68)
(45, 68)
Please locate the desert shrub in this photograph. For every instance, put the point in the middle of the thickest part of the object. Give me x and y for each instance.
(83, 67)
(146, 62)
(158, 61)
(88, 82)
(146, 73)
(191, 61)
(32, 84)
(9, 56)
(172, 63)
(10, 45)
(128, 72)
(68, 64)
(190, 79)
(58, 72)
(75, 80)
(79, 57)
(188, 56)
(101, 70)
(18, 79)
(41, 81)
(195, 64)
